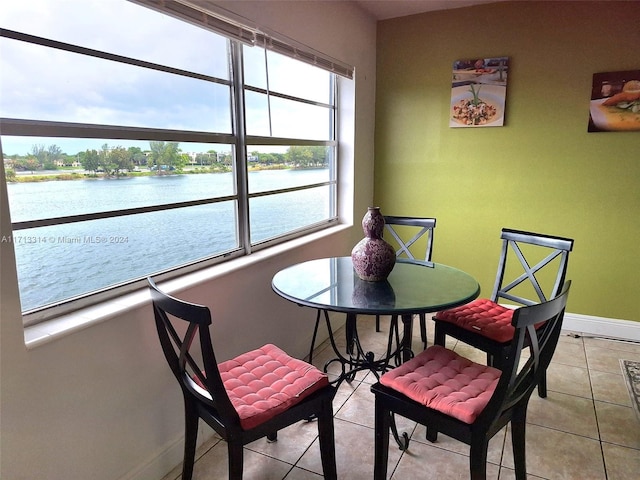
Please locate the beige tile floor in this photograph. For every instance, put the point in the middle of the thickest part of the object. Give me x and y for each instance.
(585, 429)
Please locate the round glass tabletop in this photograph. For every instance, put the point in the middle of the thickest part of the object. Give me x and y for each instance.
(411, 288)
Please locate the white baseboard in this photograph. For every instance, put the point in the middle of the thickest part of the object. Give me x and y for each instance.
(588, 325)
(164, 461)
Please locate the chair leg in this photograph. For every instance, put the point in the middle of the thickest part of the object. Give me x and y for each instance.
(478, 458)
(423, 331)
(439, 336)
(542, 385)
(381, 449)
(236, 459)
(491, 360)
(327, 441)
(190, 439)
(518, 435)
(377, 323)
(272, 437)
(432, 434)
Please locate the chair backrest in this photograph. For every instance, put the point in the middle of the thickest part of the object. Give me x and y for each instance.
(416, 229)
(531, 284)
(193, 363)
(537, 329)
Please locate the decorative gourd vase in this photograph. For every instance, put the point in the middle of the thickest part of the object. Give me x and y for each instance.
(373, 258)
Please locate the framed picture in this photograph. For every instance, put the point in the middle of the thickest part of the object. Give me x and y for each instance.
(479, 92)
(615, 102)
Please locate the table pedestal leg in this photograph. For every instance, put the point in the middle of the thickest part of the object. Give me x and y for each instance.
(359, 360)
(407, 331)
(315, 334)
(356, 358)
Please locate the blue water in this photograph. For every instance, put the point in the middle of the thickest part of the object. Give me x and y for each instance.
(63, 261)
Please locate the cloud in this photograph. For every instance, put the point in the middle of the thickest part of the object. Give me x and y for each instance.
(42, 83)
(47, 84)
(120, 27)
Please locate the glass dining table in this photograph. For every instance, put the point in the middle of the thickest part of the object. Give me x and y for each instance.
(331, 285)
(413, 287)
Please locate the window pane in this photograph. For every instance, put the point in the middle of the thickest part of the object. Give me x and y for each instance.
(280, 214)
(286, 75)
(83, 89)
(102, 253)
(298, 166)
(289, 119)
(257, 119)
(255, 73)
(86, 192)
(299, 120)
(298, 79)
(120, 27)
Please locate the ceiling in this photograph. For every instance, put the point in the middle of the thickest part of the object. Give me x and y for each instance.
(384, 9)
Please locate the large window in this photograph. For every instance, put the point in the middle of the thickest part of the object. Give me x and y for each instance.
(137, 143)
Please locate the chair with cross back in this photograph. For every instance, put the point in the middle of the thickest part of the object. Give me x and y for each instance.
(532, 269)
(468, 401)
(407, 234)
(251, 396)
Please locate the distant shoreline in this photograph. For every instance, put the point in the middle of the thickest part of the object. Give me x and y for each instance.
(65, 175)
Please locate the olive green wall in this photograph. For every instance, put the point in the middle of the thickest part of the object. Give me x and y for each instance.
(542, 171)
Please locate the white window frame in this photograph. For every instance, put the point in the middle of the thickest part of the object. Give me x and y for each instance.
(239, 140)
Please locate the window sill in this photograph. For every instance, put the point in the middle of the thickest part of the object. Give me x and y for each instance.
(50, 330)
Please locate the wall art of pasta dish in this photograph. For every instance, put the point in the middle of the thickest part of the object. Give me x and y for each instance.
(479, 92)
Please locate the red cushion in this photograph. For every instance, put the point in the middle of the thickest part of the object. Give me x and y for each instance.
(482, 316)
(444, 381)
(265, 382)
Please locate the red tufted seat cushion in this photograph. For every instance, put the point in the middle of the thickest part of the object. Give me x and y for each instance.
(483, 316)
(444, 381)
(265, 382)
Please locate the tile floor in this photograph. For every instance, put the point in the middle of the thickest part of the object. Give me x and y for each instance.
(585, 429)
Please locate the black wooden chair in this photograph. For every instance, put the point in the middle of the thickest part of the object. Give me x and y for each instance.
(251, 396)
(468, 401)
(406, 231)
(485, 323)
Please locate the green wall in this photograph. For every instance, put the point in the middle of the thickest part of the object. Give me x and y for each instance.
(542, 171)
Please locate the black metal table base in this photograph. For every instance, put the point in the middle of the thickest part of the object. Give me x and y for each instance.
(359, 360)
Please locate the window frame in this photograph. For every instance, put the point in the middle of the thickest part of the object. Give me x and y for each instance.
(240, 141)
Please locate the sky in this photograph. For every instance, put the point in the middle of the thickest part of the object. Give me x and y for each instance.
(47, 84)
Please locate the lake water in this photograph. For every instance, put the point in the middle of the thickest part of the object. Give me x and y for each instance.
(64, 261)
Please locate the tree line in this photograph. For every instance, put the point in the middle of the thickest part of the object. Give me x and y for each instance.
(161, 157)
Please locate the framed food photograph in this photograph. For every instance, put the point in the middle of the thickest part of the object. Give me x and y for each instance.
(615, 102)
(479, 92)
